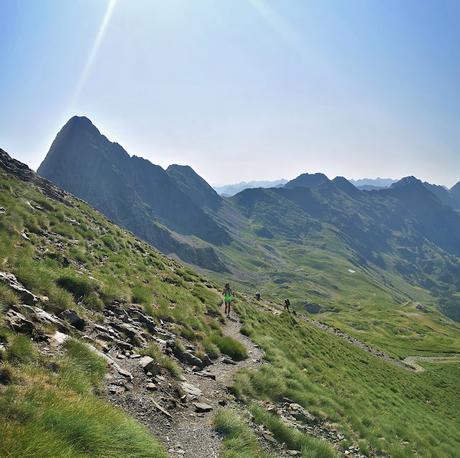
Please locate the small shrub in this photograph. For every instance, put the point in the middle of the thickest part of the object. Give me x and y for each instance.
(79, 287)
(211, 349)
(93, 301)
(294, 439)
(238, 439)
(231, 347)
(109, 242)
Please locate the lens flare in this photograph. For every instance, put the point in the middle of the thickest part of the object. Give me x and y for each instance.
(94, 50)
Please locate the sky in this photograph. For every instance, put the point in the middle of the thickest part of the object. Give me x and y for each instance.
(240, 89)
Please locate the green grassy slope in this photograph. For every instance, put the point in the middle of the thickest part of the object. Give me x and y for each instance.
(386, 409)
(73, 258)
(284, 252)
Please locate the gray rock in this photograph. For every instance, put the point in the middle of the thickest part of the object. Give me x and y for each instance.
(202, 407)
(58, 339)
(191, 390)
(148, 364)
(25, 295)
(124, 373)
(19, 323)
(300, 414)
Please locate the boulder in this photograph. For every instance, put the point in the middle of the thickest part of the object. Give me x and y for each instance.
(39, 315)
(227, 360)
(151, 386)
(58, 338)
(133, 334)
(184, 356)
(148, 364)
(124, 373)
(191, 359)
(300, 414)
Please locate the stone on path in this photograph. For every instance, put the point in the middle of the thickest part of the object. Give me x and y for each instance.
(191, 390)
(202, 407)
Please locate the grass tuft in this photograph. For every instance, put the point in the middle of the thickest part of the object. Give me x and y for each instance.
(238, 439)
(229, 346)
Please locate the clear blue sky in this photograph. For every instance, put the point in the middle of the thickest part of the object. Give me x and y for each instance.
(241, 89)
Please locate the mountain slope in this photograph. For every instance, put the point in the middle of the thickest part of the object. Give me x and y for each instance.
(372, 263)
(112, 298)
(191, 184)
(78, 297)
(131, 191)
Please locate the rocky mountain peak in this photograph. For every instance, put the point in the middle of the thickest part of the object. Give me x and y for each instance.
(194, 186)
(308, 180)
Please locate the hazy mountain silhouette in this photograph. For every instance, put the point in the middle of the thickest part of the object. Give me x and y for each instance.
(131, 191)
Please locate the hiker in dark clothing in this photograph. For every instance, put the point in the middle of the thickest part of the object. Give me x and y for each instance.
(228, 298)
(287, 304)
(258, 296)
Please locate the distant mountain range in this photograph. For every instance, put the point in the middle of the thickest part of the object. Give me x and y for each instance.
(373, 183)
(297, 238)
(366, 184)
(232, 189)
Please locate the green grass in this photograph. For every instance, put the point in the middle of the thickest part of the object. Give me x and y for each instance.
(20, 350)
(368, 398)
(45, 413)
(229, 346)
(376, 305)
(43, 421)
(238, 439)
(79, 287)
(93, 365)
(7, 296)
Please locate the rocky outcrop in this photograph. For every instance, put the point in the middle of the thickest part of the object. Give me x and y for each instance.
(24, 294)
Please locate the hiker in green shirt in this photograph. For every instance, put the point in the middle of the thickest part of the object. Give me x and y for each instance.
(228, 298)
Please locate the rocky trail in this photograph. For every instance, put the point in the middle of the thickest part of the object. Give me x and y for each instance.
(411, 361)
(180, 412)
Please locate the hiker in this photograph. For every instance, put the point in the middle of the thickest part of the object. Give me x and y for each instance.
(258, 296)
(287, 304)
(228, 298)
